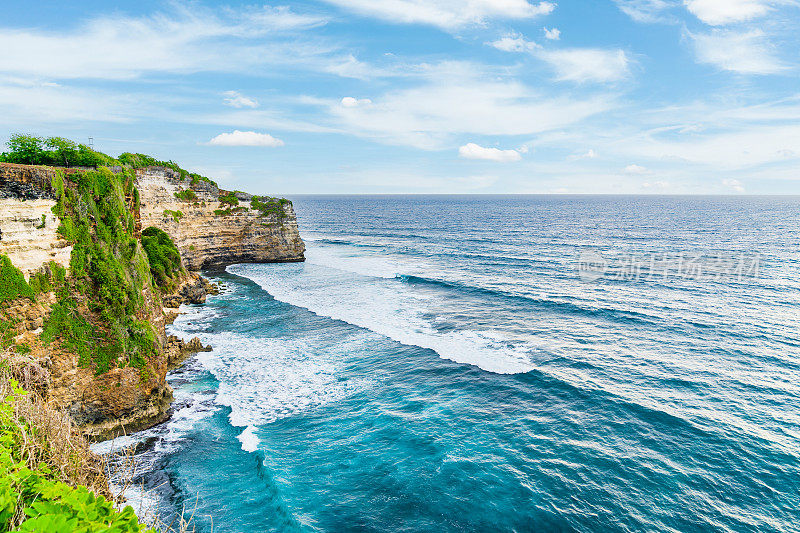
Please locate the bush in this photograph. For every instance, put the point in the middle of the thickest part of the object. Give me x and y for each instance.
(163, 256)
(229, 198)
(176, 215)
(187, 195)
(267, 206)
(12, 282)
(144, 160)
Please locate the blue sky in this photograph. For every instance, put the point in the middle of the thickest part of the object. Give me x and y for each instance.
(413, 96)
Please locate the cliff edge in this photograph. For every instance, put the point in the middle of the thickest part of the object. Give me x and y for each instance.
(213, 228)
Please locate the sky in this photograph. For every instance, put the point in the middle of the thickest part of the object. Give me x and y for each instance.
(416, 96)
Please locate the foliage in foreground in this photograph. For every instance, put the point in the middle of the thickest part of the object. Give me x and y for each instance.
(44, 470)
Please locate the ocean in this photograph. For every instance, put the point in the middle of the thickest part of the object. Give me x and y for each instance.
(495, 363)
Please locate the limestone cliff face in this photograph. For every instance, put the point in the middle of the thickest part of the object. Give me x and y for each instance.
(209, 240)
(27, 223)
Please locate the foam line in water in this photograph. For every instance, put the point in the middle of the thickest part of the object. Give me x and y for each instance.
(387, 308)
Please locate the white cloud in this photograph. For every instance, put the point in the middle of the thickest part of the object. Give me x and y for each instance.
(635, 169)
(474, 151)
(645, 10)
(245, 138)
(514, 42)
(554, 34)
(447, 14)
(237, 99)
(461, 98)
(721, 12)
(746, 53)
(733, 184)
(588, 64)
(26, 103)
(572, 64)
(182, 40)
(349, 101)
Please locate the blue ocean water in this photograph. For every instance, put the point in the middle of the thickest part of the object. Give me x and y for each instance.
(443, 363)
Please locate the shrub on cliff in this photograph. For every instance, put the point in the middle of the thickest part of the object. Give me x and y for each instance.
(12, 282)
(187, 195)
(164, 258)
(229, 198)
(270, 206)
(99, 306)
(144, 160)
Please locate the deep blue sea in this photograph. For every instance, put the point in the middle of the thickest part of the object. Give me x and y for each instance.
(496, 363)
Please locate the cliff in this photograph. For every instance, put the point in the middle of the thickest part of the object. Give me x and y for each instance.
(211, 234)
(88, 332)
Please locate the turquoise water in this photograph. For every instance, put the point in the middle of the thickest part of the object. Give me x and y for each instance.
(441, 364)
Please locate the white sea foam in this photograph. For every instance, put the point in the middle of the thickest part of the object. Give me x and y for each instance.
(264, 379)
(249, 439)
(366, 265)
(386, 307)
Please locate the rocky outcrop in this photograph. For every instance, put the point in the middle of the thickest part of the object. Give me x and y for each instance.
(193, 290)
(208, 234)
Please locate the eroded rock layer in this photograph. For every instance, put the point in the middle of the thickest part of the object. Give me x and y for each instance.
(210, 234)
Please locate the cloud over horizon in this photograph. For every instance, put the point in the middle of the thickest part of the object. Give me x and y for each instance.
(245, 138)
(474, 151)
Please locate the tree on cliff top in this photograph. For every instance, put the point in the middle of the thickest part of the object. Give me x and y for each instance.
(32, 150)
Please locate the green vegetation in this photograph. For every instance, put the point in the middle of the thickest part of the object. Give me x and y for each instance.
(44, 473)
(228, 198)
(42, 223)
(43, 281)
(12, 282)
(60, 152)
(96, 312)
(143, 160)
(55, 151)
(187, 195)
(176, 215)
(164, 258)
(266, 206)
